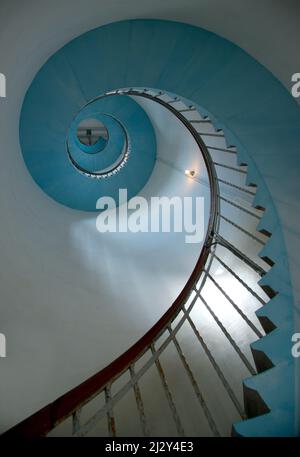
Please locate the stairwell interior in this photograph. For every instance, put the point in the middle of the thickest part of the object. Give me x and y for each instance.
(220, 361)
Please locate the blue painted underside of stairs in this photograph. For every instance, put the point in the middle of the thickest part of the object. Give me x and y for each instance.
(102, 154)
(47, 113)
(252, 107)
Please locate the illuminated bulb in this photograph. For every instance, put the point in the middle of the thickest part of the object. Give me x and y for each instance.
(190, 173)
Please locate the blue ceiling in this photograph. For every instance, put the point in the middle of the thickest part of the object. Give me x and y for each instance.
(50, 115)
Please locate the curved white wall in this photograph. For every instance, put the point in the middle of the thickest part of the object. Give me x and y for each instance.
(51, 273)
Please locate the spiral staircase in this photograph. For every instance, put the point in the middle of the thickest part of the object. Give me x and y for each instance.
(179, 371)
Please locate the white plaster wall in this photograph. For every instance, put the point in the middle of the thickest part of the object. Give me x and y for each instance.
(53, 266)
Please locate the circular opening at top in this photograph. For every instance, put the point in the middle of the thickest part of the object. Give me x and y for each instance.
(91, 131)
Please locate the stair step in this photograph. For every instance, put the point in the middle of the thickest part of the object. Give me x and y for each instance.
(262, 361)
(270, 395)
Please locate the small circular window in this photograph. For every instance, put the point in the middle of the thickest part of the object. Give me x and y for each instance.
(91, 131)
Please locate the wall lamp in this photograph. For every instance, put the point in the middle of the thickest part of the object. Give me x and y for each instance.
(190, 173)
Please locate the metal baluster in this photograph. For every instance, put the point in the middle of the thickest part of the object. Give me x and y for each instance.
(139, 402)
(175, 100)
(214, 148)
(236, 205)
(241, 229)
(218, 135)
(235, 186)
(199, 121)
(235, 306)
(168, 394)
(238, 170)
(226, 244)
(228, 336)
(76, 421)
(216, 367)
(109, 413)
(196, 388)
(252, 292)
(185, 110)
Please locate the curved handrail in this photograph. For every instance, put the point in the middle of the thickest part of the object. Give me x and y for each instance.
(44, 420)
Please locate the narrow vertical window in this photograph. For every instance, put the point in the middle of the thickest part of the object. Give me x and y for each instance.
(2, 86)
(2, 345)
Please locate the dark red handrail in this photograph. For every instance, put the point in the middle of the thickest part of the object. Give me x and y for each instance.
(47, 418)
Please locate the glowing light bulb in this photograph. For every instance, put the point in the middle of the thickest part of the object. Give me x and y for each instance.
(190, 173)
